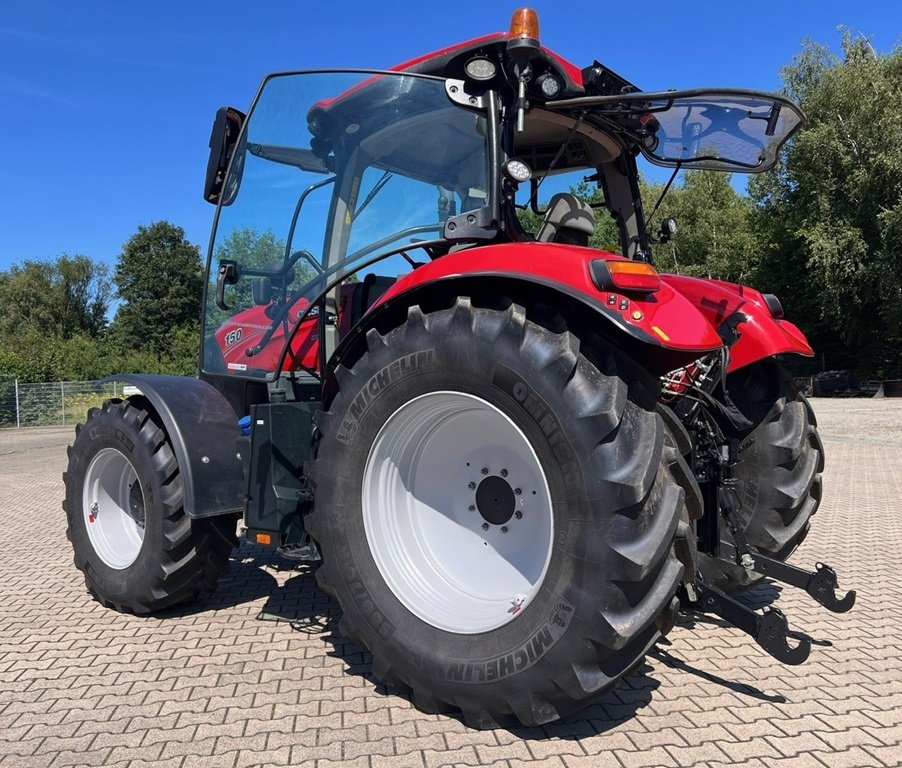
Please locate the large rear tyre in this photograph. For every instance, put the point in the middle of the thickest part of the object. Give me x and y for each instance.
(138, 550)
(496, 513)
(780, 460)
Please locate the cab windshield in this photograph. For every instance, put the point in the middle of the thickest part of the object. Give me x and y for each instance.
(335, 172)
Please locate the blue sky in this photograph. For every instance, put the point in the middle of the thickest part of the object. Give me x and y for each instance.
(107, 106)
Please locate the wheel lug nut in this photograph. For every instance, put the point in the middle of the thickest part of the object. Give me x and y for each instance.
(471, 508)
(518, 491)
(485, 526)
(518, 514)
(503, 473)
(485, 470)
(503, 529)
(471, 486)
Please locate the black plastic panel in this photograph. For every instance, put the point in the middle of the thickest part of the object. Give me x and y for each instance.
(281, 441)
(203, 429)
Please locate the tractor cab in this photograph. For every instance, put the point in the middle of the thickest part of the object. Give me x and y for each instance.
(338, 183)
(342, 177)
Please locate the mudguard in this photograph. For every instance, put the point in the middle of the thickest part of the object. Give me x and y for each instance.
(761, 334)
(203, 430)
(673, 330)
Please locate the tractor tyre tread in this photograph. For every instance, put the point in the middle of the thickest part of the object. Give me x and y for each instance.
(621, 442)
(180, 557)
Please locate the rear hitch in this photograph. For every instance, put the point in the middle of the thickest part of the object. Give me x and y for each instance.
(770, 629)
(821, 584)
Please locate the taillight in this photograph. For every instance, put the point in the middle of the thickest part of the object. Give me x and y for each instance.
(624, 275)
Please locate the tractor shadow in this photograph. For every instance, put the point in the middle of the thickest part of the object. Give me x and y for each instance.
(661, 653)
(301, 605)
(253, 574)
(297, 602)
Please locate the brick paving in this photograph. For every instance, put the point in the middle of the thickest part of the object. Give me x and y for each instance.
(256, 674)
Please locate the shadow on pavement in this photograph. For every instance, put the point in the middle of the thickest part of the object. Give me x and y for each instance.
(300, 604)
(305, 608)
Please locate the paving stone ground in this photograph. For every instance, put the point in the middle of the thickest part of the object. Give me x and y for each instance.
(256, 674)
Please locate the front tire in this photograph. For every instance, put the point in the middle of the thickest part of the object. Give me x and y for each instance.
(138, 550)
(439, 435)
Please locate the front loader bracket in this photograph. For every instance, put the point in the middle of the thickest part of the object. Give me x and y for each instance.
(821, 584)
(769, 629)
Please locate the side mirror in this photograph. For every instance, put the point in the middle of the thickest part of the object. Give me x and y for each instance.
(223, 140)
(261, 291)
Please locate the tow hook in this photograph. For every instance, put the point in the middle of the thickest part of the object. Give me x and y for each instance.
(820, 584)
(770, 629)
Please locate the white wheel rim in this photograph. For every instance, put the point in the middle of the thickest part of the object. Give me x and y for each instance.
(458, 550)
(114, 508)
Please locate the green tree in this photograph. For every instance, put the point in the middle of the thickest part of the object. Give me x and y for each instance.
(829, 218)
(250, 248)
(159, 277)
(714, 236)
(58, 299)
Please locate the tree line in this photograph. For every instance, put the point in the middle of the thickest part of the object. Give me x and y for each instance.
(54, 314)
(823, 231)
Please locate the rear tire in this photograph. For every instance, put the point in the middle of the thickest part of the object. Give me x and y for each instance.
(138, 550)
(441, 608)
(780, 460)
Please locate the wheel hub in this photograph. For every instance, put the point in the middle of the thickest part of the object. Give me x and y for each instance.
(495, 500)
(136, 504)
(457, 512)
(114, 508)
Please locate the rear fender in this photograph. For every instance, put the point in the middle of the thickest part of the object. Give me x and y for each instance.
(203, 429)
(662, 329)
(761, 335)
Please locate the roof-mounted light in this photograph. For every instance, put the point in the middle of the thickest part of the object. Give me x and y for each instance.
(524, 27)
(549, 85)
(480, 69)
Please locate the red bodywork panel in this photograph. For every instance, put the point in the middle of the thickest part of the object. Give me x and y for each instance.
(663, 318)
(760, 336)
(246, 329)
(432, 63)
(436, 62)
(682, 316)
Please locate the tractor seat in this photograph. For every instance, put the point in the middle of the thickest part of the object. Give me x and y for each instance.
(568, 220)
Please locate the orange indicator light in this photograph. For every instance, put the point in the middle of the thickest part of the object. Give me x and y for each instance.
(634, 275)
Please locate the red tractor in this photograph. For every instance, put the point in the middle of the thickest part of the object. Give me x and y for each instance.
(517, 457)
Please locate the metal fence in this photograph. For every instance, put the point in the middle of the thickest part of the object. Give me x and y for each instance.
(50, 404)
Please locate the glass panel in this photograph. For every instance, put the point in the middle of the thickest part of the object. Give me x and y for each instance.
(720, 131)
(336, 169)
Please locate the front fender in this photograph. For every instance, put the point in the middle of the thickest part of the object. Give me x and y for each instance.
(203, 430)
(761, 335)
(668, 329)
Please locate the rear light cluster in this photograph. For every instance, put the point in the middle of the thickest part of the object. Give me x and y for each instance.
(623, 275)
